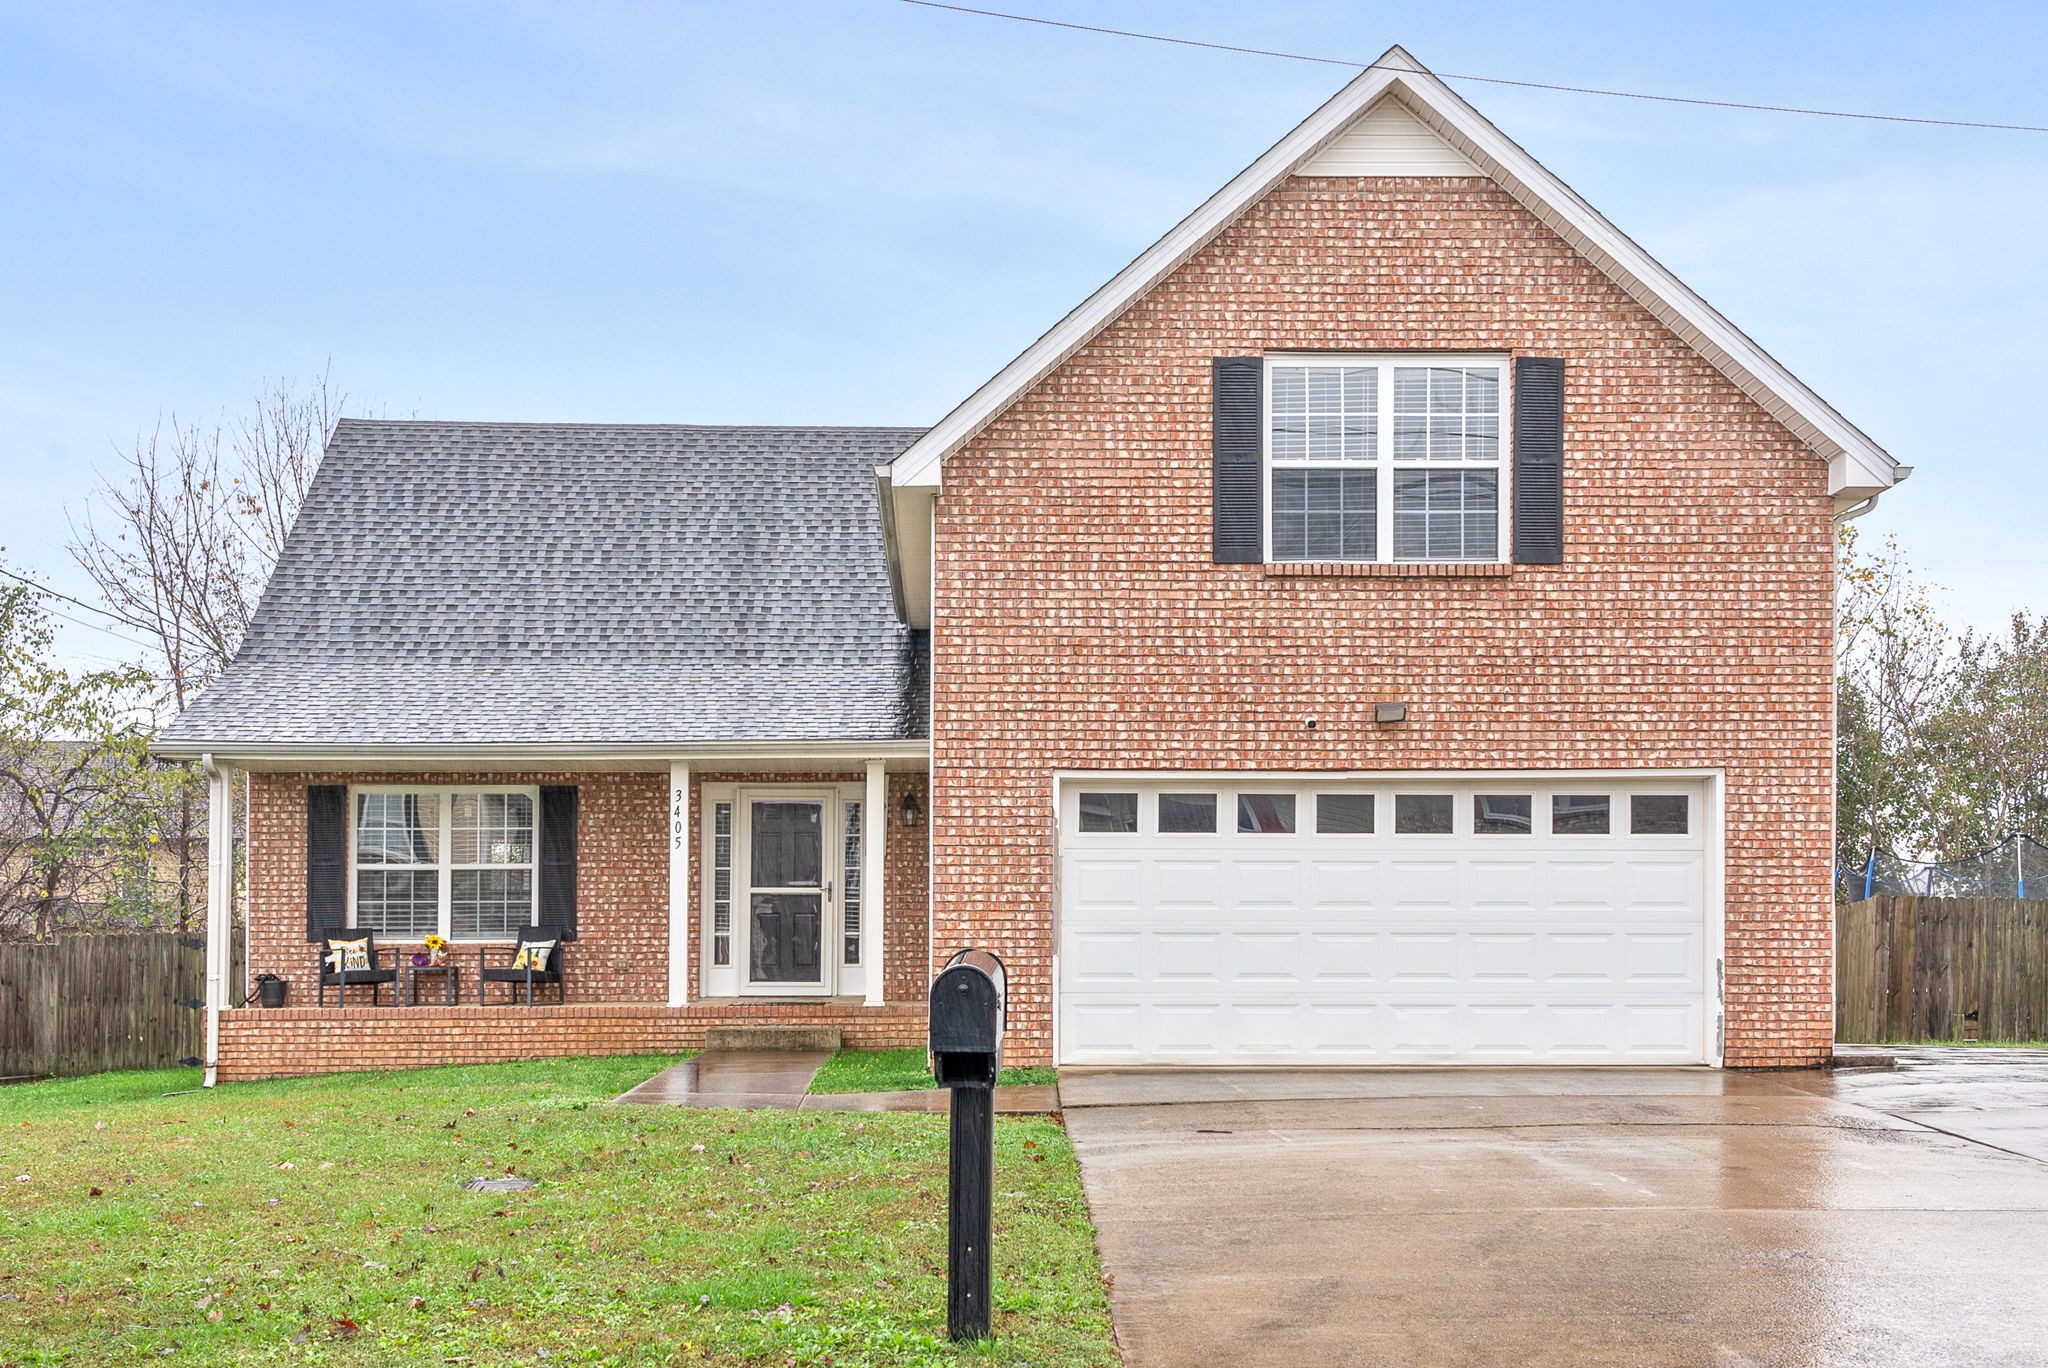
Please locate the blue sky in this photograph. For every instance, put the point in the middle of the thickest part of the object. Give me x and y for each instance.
(856, 210)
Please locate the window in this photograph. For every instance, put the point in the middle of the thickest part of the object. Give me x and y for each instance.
(849, 881)
(721, 883)
(1371, 459)
(1658, 814)
(1501, 814)
(1116, 812)
(1185, 813)
(1265, 813)
(459, 862)
(1344, 814)
(1578, 814)
(1422, 814)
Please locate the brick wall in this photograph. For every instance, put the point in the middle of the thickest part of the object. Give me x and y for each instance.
(1080, 623)
(255, 1043)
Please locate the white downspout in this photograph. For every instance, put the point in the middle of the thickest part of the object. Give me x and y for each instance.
(220, 893)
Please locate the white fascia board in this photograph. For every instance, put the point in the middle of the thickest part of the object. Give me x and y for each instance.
(1556, 204)
(563, 756)
(906, 546)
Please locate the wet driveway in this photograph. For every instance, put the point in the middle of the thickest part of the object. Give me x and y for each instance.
(1631, 1218)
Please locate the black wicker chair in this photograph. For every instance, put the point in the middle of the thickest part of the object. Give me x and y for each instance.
(374, 977)
(554, 973)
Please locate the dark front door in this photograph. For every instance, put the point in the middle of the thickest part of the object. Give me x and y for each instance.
(786, 894)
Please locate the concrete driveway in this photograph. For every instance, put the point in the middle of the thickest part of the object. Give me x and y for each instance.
(1632, 1218)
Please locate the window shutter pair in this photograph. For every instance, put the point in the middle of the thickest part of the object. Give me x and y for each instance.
(327, 859)
(1237, 443)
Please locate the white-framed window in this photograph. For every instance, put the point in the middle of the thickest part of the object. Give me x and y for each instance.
(1386, 458)
(458, 861)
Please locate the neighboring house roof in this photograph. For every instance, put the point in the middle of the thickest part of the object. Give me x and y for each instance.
(1858, 468)
(465, 585)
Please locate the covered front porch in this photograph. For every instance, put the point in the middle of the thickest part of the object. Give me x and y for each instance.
(782, 884)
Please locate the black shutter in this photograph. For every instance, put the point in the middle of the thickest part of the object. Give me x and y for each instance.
(558, 858)
(1239, 513)
(326, 860)
(1539, 460)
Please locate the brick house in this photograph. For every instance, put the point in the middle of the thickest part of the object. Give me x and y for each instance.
(1389, 622)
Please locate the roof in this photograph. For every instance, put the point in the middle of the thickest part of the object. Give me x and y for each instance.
(1858, 467)
(454, 585)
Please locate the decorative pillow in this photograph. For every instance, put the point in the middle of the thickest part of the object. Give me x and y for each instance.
(349, 954)
(534, 955)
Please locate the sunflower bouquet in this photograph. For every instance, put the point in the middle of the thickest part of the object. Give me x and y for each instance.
(437, 949)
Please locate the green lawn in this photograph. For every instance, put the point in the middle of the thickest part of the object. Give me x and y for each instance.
(852, 1071)
(323, 1221)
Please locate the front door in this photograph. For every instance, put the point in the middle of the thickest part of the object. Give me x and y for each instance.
(788, 895)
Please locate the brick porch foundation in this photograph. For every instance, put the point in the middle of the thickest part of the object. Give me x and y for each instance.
(291, 1041)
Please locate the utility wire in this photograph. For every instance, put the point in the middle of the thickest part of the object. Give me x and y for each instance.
(1463, 76)
(79, 602)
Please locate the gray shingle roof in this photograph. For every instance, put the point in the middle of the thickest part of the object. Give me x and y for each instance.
(453, 584)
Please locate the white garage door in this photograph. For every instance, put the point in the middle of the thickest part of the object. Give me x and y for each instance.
(1484, 921)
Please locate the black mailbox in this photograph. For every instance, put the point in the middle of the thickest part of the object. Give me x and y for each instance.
(969, 1000)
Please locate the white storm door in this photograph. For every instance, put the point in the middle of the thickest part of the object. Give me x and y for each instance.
(786, 911)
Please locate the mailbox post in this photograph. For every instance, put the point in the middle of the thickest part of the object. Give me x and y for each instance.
(969, 1000)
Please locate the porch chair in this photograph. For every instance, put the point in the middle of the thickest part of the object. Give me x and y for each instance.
(376, 976)
(552, 973)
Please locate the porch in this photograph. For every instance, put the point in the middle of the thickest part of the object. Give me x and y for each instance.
(776, 887)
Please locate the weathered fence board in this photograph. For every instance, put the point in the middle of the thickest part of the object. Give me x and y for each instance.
(1909, 969)
(85, 1004)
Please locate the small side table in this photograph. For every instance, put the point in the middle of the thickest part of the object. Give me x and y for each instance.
(450, 976)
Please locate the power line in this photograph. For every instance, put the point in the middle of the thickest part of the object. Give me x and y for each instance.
(1465, 76)
(79, 602)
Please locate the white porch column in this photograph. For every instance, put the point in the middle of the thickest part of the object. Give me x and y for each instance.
(872, 877)
(679, 883)
(220, 898)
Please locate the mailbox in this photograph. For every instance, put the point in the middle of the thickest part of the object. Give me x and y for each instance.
(969, 1000)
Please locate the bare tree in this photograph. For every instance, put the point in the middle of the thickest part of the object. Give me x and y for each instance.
(180, 538)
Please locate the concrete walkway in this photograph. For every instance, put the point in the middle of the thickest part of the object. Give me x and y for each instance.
(782, 1078)
(732, 1078)
(1626, 1218)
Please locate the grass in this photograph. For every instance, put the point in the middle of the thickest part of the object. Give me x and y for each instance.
(853, 1071)
(322, 1221)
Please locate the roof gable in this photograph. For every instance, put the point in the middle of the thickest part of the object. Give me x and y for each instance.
(1375, 121)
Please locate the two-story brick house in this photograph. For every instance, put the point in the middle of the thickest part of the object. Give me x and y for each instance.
(1389, 622)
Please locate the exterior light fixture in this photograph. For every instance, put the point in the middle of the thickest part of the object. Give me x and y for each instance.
(1386, 713)
(911, 811)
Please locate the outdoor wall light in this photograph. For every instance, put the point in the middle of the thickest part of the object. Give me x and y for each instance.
(1385, 713)
(911, 812)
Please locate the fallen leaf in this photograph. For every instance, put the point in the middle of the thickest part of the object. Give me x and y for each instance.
(94, 1192)
(469, 1111)
(415, 1303)
(287, 1166)
(341, 1327)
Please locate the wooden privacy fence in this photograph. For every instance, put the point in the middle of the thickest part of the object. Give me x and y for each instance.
(84, 1004)
(1912, 969)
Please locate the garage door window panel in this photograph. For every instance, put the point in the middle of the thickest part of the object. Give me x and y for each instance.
(1344, 814)
(1187, 814)
(1109, 812)
(1265, 814)
(1503, 814)
(1423, 814)
(1659, 814)
(1579, 814)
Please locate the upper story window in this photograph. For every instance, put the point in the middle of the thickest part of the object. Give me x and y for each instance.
(1385, 458)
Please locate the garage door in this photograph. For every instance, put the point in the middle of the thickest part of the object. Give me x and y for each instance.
(1484, 921)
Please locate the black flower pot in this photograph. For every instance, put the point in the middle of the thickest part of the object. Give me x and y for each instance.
(270, 990)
